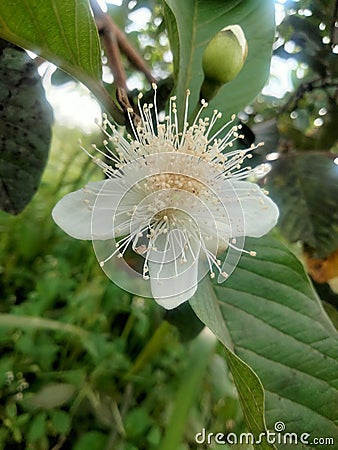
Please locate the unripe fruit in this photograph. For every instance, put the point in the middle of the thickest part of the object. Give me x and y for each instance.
(223, 59)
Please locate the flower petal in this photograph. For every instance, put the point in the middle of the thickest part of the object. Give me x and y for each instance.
(172, 281)
(88, 213)
(250, 211)
(112, 210)
(73, 214)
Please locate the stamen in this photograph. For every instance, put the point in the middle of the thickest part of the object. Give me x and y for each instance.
(129, 111)
(154, 86)
(251, 252)
(204, 105)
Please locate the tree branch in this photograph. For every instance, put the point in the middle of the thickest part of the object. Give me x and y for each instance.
(308, 86)
(106, 29)
(114, 41)
(133, 56)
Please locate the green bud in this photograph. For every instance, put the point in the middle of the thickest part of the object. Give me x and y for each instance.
(223, 59)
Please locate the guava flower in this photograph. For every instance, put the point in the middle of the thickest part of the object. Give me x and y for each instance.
(178, 199)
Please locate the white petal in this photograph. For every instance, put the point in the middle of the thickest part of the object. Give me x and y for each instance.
(111, 211)
(250, 211)
(73, 213)
(172, 281)
(84, 214)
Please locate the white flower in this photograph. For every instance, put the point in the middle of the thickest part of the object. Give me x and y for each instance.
(176, 198)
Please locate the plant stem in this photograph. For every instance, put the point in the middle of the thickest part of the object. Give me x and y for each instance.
(116, 40)
(201, 349)
(24, 322)
(152, 348)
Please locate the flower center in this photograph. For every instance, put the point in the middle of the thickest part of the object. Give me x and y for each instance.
(169, 180)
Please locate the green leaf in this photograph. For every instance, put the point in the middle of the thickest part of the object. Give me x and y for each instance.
(305, 187)
(37, 427)
(60, 420)
(171, 26)
(25, 128)
(62, 31)
(280, 329)
(93, 440)
(197, 22)
(250, 390)
(137, 422)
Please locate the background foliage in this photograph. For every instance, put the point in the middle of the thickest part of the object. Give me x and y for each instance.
(86, 365)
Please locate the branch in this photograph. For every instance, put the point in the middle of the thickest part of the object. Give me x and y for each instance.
(106, 28)
(133, 56)
(308, 86)
(114, 41)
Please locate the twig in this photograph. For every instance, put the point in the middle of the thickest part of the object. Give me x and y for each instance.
(309, 86)
(60, 442)
(133, 56)
(106, 25)
(124, 409)
(106, 28)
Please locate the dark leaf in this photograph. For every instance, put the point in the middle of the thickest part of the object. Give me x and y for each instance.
(268, 133)
(185, 320)
(305, 187)
(25, 128)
